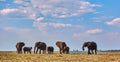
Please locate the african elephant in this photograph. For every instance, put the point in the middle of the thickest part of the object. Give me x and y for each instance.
(66, 50)
(40, 46)
(27, 49)
(61, 46)
(50, 50)
(91, 46)
(19, 46)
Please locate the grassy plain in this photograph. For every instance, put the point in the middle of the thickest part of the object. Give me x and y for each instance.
(56, 57)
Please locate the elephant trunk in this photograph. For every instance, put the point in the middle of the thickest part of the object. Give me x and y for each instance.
(83, 48)
(34, 49)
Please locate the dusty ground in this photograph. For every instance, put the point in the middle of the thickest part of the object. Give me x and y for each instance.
(56, 57)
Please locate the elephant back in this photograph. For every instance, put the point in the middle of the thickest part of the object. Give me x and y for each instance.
(94, 45)
(61, 45)
(42, 46)
(50, 48)
(37, 44)
(20, 44)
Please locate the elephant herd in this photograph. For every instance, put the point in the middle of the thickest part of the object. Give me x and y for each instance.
(63, 48)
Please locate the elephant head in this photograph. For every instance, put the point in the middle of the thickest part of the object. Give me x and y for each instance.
(19, 46)
(85, 44)
(91, 46)
(61, 45)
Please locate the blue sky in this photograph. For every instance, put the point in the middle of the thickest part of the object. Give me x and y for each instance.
(49, 21)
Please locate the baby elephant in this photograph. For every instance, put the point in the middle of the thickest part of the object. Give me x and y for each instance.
(27, 49)
(50, 50)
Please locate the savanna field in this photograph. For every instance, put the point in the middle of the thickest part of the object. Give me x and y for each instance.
(56, 57)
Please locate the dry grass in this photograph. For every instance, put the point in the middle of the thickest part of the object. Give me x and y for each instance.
(14, 57)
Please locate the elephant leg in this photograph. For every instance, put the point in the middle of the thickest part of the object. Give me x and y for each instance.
(30, 52)
(17, 50)
(60, 51)
(40, 51)
(36, 51)
(44, 51)
(89, 51)
(67, 52)
(95, 51)
(21, 50)
(24, 52)
(92, 51)
(50, 52)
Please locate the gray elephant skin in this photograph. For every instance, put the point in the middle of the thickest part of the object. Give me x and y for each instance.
(27, 50)
(50, 50)
(61, 46)
(19, 47)
(92, 47)
(41, 46)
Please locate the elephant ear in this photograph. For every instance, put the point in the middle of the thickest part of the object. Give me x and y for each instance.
(22, 44)
(90, 43)
(85, 44)
(64, 44)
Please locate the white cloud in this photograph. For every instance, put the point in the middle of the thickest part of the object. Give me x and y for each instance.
(40, 9)
(40, 19)
(77, 35)
(59, 25)
(7, 11)
(115, 22)
(88, 33)
(14, 14)
(32, 16)
(101, 18)
(13, 29)
(94, 31)
(44, 26)
(18, 1)
(59, 8)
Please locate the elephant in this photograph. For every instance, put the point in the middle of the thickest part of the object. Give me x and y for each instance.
(19, 47)
(61, 46)
(91, 46)
(50, 50)
(40, 46)
(27, 50)
(66, 50)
